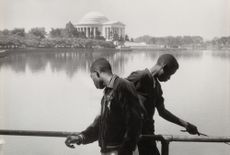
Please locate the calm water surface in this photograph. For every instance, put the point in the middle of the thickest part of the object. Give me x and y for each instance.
(48, 90)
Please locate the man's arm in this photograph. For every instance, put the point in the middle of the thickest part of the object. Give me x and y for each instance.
(167, 115)
(91, 133)
(87, 136)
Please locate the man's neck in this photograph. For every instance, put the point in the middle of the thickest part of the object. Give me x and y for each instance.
(107, 78)
(155, 70)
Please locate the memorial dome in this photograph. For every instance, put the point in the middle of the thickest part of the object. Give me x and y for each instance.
(93, 18)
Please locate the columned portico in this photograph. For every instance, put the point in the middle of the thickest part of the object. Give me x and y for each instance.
(114, 29)
(94, 22)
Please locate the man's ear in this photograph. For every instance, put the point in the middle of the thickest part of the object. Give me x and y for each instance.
(98, 74)
(165, 67)
(162, 69)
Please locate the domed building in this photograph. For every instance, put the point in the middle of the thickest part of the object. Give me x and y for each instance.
(95, 24)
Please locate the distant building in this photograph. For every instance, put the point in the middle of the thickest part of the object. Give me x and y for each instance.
(95, 24)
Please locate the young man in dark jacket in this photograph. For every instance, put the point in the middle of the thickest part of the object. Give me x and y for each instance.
(118, 126)
(147, 83)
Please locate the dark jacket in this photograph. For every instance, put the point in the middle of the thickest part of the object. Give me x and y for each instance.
(150, 95)
(119, 123)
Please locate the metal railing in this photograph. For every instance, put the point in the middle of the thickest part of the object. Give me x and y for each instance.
(164, 139)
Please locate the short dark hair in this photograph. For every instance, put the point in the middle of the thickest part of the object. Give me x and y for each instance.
(101, 65)
(168, 60)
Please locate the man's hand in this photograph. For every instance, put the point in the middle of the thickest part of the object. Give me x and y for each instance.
(192, 129)
(73, 139)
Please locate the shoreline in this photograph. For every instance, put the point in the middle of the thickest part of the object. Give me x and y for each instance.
(3, 53)
(6, 51)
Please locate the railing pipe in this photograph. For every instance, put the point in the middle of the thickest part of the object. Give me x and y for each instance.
(36, 133)
(165, 139)
(177, 138)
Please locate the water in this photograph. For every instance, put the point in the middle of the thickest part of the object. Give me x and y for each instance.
(52, 90)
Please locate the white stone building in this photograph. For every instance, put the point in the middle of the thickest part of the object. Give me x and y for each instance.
(94, 23)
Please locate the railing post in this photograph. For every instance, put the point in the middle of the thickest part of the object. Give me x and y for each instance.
(164, 147)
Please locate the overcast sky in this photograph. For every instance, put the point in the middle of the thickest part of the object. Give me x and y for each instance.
(207, 18)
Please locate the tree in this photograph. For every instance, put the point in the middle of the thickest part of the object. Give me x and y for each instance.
(98, 33)
(38, 32)
(82, 35)
(5, 32)
(144, 38)
(55, 33)
(197, 39)
(91, 35)
(71, 30)
(187, 40)
(126, 37)
(121, 41)
(115, 37)
(18, 32)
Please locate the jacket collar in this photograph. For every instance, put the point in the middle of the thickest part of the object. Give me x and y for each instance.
(111, 82)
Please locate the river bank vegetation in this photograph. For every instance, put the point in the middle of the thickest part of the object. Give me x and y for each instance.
(186, 42)
(69, 37)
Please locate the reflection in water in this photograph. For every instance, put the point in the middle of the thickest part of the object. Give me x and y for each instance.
(185, 54)
(70, 60)
(50, 101)
(221, 54)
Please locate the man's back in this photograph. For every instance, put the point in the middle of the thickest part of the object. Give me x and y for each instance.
(148, 89)
(150, 96)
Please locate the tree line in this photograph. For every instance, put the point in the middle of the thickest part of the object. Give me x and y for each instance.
(57, 37)
(185, 41)
(71, 37)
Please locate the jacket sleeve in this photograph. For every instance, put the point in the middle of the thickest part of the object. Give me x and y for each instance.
(91, 133)
(132, 111)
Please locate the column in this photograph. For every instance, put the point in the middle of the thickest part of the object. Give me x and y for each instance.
(106, 33)
(120, 32)
(87, 32)
(91, 32)
(94, 33)
(123, 32)
(109, 33)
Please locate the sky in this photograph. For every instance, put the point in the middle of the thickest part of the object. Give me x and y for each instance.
(206, 18)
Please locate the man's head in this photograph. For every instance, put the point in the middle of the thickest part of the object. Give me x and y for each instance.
(98, 69)
(168, 66)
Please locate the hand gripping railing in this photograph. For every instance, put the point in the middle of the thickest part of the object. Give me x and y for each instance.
(164, 139)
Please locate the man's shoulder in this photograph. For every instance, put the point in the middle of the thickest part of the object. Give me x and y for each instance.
(142, 72)
(139, 74)
(122, 83)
